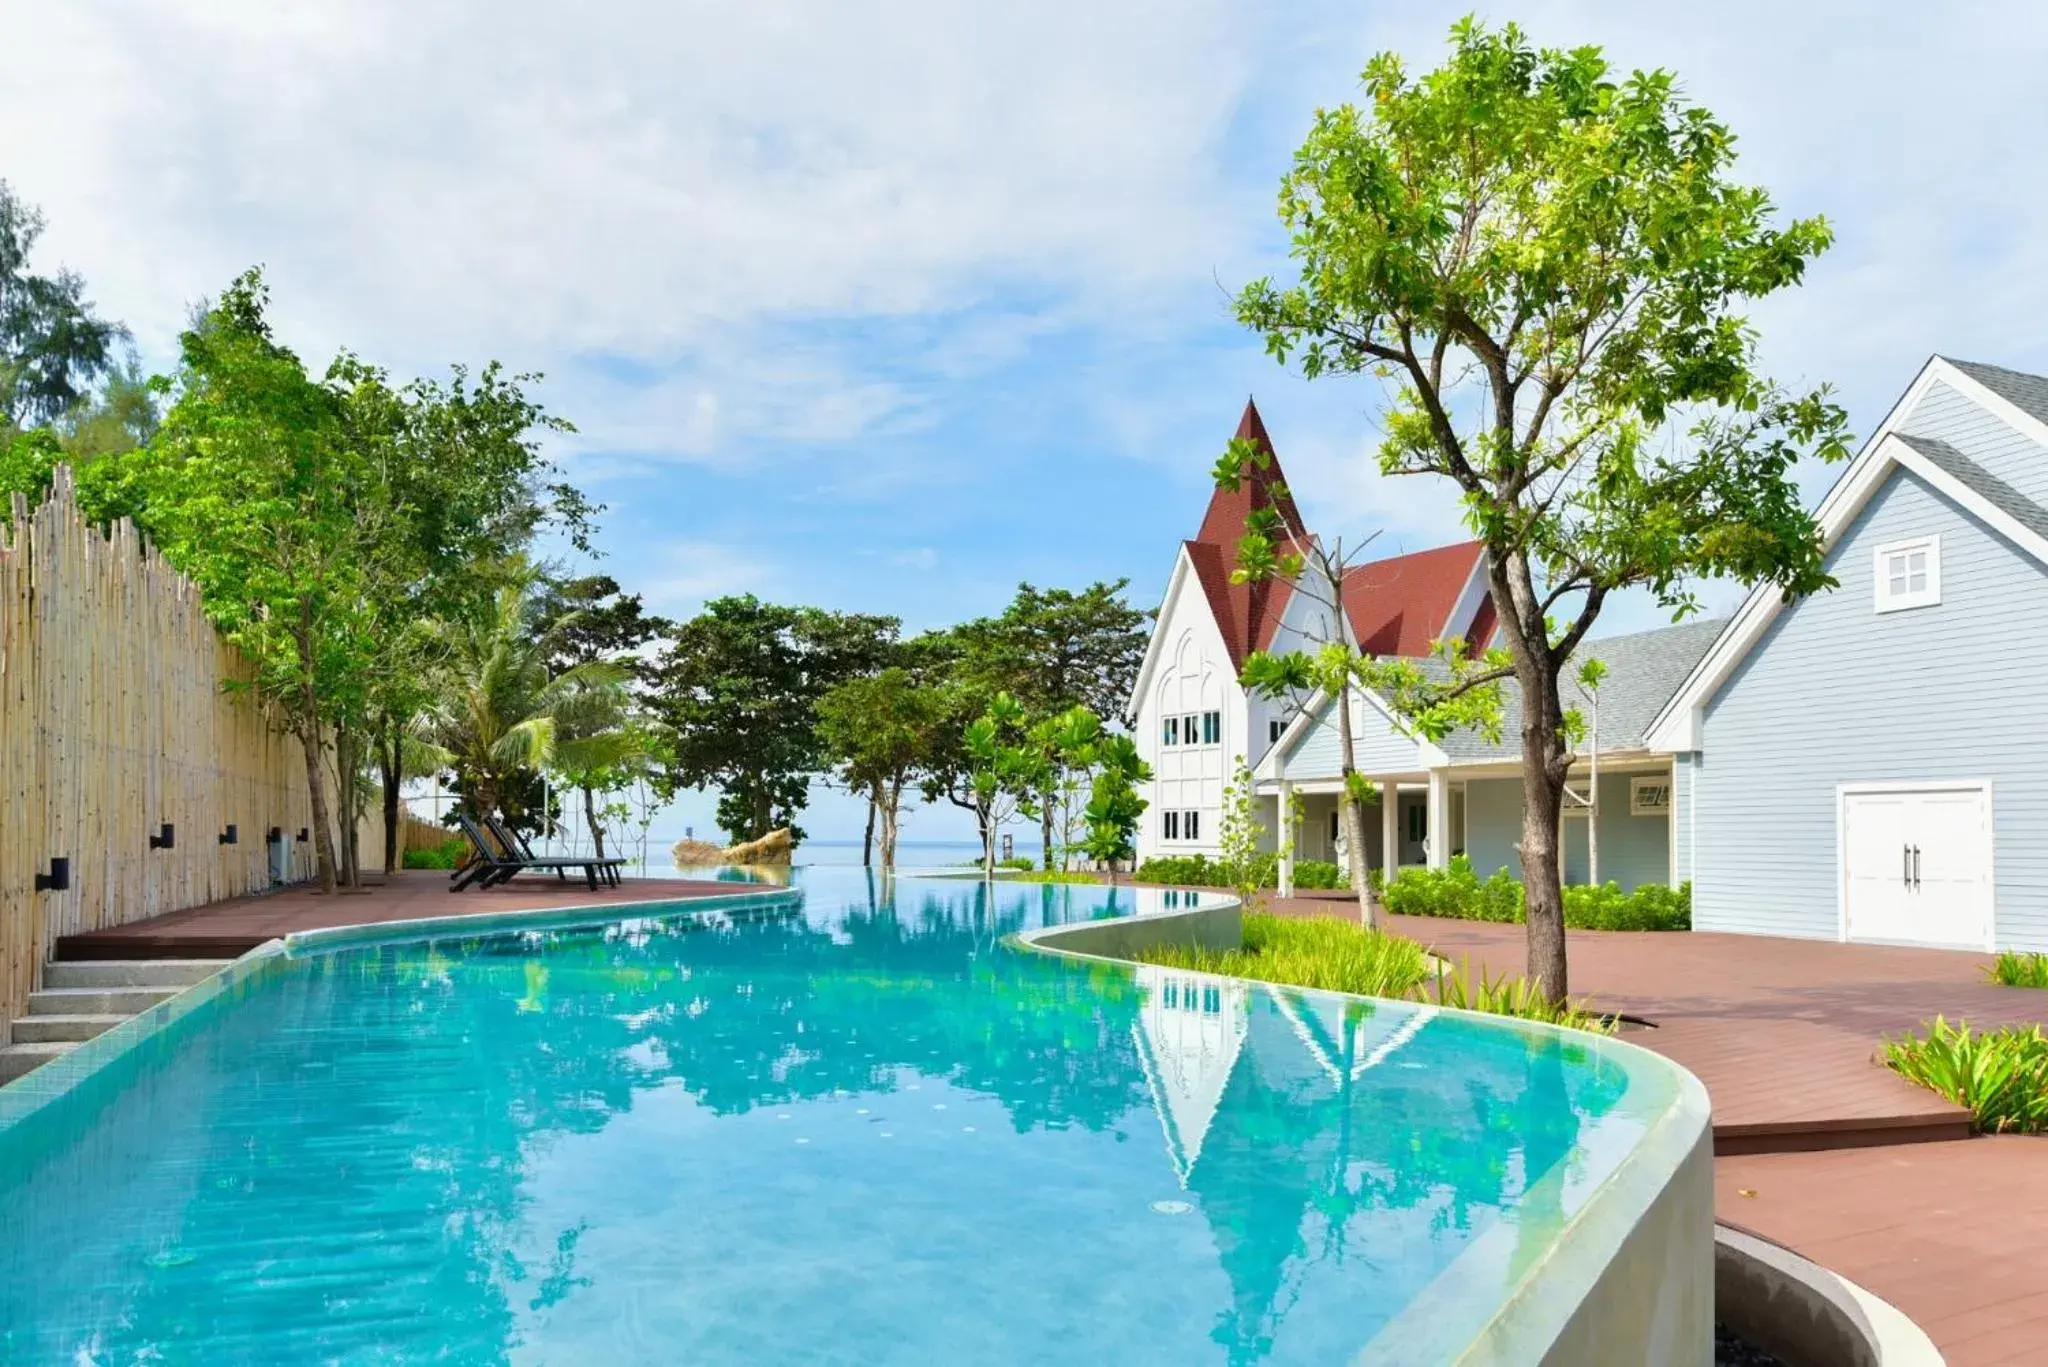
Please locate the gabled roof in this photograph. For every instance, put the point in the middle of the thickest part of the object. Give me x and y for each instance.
(2018, 399)
(1401, 605)
(2026, 392)
(1248, 615)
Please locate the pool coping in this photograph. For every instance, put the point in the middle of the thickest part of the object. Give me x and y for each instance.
(1541, 1313)
(34, 1091)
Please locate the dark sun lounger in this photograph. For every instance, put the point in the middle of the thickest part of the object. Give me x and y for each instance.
(502, 856)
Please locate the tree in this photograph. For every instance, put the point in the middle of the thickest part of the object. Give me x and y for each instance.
(1276, 545)
(1053, 650)
(1114, 807)
(52, 345)
(1005, 771)
(250, 490)
(883, 729)
(499, 711)
(739, 686)
(1063, 749)
(1549, 265)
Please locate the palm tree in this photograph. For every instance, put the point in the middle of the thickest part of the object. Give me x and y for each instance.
(499, 711)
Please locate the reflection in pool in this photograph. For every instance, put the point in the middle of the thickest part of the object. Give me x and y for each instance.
(859, 1129)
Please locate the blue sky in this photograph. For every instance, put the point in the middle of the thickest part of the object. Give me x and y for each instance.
(889, 306)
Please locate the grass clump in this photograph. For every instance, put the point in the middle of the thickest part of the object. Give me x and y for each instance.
(1343, 956)
(2001, 1075)
(1321, 952)
(2017, 969)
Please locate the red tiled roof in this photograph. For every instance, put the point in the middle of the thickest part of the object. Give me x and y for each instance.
(1248, 615)
(1400, 605)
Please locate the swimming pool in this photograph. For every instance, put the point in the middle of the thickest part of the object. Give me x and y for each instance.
(849, 1124)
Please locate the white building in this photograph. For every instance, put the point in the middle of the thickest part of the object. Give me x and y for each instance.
(1194, 722)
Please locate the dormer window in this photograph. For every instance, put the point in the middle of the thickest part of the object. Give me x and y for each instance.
(1908, 574)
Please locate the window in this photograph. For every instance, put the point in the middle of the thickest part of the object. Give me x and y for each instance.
(1191, 825)
(1172, 731)
(1335, 823)
(1169, 825)
(1273, 730)
(1187, 729)
(1418, 824)
(1649, 797)
(1909, 574)
(1212, 728)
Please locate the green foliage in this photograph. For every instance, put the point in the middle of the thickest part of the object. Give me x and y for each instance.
(1320, 952)
(1262, 870)
(1022, 863)
(52, 345)
(2001, 1075)
(1510, 996)
(448, 854)
(882, 729)
(1458, 893)
(1056, 649)
(1550, 266)
(1114, 807)
(739, 687)
(1238, 836)
(1317, 873)
(2017, 969)
(1336, 955)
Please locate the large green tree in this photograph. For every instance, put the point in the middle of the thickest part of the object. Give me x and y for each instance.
(738, 687)
(883, 730)
(1548, 265)
(52, 344)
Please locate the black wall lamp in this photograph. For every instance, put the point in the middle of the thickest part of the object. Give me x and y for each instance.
(302, 835)
(230, 836)
(58, 879)
(276, 834)
(164, 839)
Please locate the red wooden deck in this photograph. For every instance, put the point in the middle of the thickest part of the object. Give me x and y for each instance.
(226, 929)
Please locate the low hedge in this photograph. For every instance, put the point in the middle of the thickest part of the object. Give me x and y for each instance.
(1460, 894)
(1200, 871)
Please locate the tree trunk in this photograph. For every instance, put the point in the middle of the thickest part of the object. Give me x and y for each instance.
(590, 819)
(345, 777)
(760, 815)
(988, 841)
(388, 770)
(1354, 823)
(891, 799)
(867, 840)
(1045, 830)
(316, 792)
(1545, 766)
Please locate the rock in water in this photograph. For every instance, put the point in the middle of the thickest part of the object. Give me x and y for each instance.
(772, 848)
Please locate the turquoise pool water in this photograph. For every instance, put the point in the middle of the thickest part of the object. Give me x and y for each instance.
(858, 1130)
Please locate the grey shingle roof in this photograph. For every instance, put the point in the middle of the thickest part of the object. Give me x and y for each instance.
(2016, 387)
(1644, 669)
(1982, 482)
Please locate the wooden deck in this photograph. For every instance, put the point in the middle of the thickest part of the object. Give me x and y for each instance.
(1814, 1139)
(226, 929)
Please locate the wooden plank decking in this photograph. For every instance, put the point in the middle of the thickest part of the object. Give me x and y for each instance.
(236, 926)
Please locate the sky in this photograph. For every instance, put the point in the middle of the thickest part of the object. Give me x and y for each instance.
(889, 306)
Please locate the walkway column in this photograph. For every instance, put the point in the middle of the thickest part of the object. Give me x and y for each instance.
(1283, 837)
(1439, 819)
(1390, 830)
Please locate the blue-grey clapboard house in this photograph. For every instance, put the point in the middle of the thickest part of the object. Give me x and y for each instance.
(1469, 787)
(1867, 763)
(1871, 763)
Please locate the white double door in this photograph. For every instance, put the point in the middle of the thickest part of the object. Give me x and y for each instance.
(1916, 864)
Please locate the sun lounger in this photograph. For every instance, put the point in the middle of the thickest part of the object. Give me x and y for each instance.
(501, 857)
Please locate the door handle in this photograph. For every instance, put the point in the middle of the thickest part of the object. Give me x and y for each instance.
(1916, 868)
(1905, 866)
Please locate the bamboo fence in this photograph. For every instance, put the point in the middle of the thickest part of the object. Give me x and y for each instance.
(117, 718)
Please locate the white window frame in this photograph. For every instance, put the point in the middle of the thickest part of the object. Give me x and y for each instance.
(1930, 596)
(1638, 785)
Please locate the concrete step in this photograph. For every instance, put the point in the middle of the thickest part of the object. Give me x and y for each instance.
(17, 1059)
(56, 1029)
(131, 972)
(97, 1001)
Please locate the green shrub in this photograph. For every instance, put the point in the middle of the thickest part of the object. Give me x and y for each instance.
(2001, 1075)
(1021, 862)
(2015, 969)
(1318, 873)
(446, 855)
(1343, 956)
(1460, 894)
